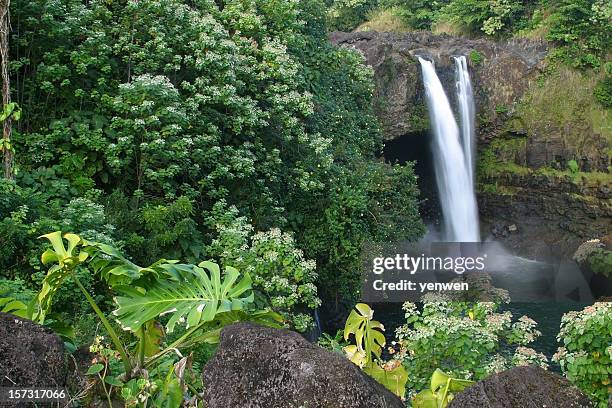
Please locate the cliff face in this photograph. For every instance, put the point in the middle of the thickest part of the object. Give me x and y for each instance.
(544, 150)
(501, 72)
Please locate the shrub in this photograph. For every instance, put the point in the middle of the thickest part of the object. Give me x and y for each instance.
(488, 16)
(581, 27)
(603, 91)
(465, 340)
(572, 166)
(281, 274)
(586, 354)
(345, 15)
(475, 57)
(126, 105)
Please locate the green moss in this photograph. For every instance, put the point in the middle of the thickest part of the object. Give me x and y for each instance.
(497, 188)
(419, 119)
(579, 178)
(503, 156)
(490, 166)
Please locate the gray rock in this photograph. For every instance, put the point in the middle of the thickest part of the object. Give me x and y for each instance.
(522, 387)
(30, 354)
(261, 367)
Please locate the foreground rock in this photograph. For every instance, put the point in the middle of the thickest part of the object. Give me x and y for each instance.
(261, 367)
(522, 387)
(30, 354)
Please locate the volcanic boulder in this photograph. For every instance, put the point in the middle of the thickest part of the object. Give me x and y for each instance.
(262, 367)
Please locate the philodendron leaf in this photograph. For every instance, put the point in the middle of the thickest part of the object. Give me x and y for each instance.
(195, 296)
(367, 332)
(65, 260)
(392, 375)
(425, 399)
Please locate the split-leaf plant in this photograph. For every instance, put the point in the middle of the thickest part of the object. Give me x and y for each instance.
(166, 291)
(441, 391)
(367, 350)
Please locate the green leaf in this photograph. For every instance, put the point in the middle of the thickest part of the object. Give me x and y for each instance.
(425, 399)
(197, 297)
(95, 369)
(113, 381)
(13, 306)
(394, 379)
(153, 334)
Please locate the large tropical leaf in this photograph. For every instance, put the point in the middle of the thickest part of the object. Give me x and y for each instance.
(65, 259)
(393, 376)
(369, 339)
(194, 295)
(117, 270)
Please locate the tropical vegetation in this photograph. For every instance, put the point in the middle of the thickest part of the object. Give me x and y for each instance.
(233, 151)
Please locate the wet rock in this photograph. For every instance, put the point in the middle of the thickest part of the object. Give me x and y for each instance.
(522, 387)
(30, 354)
(261, 367)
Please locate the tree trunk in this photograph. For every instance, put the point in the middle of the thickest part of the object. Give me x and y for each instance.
(6, 85)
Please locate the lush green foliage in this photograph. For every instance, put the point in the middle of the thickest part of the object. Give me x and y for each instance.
(603, 89)
(367, 350)
(579, 27)
(600, 261)
(139, 117)
(280, 273)
(345, 15)
(198, 296)
(489, 16)
(586, 353)
(583, 28)
(466, 340)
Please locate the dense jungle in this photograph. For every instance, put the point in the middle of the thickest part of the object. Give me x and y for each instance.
(190, 191)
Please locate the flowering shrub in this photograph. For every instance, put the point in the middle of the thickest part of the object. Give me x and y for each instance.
(595, 255)
(585, 249)
(465, 340)
(586, 354)
(279, 270)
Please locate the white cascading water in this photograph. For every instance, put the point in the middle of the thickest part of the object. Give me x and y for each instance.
(453, 174)
(467, 112)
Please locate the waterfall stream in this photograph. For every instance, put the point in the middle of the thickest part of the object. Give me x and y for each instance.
(467, 112)
(452, 167)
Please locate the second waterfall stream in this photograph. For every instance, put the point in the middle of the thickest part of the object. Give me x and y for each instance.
(453, 152)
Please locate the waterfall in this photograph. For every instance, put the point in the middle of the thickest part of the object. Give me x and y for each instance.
(453, 177)
(467, 113)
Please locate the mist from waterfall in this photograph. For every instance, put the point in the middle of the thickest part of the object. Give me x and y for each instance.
(453, 170)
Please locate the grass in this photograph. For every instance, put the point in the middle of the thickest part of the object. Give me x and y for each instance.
(563, 103)
(444, 26)
(387, 20)
(539, 28)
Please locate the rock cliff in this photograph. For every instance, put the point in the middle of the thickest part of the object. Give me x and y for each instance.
(544, 145)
